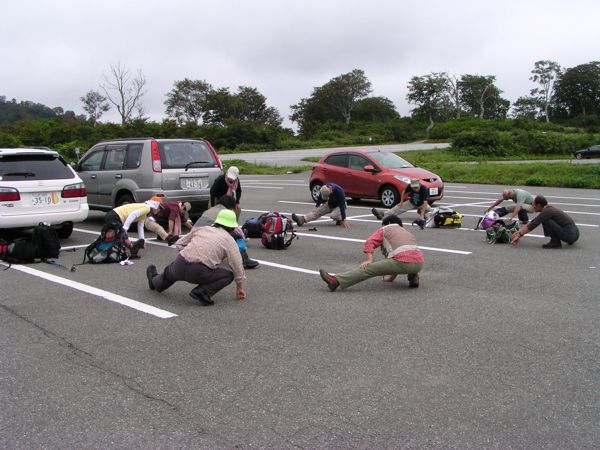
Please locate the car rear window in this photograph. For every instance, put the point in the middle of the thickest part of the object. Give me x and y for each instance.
(178, 155)
(33, 167)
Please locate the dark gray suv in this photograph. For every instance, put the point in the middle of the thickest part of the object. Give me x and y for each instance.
(133, 170)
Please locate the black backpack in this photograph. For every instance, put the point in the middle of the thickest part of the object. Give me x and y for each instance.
(101, 252)
(45, 239)
(19, 251)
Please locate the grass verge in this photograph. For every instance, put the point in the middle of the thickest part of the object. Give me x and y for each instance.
(247, 168)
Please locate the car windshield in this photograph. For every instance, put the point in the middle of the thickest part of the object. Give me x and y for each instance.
(390, 160)
(188, 154)
(33, 167)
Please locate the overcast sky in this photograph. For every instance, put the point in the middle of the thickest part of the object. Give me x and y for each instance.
(54, 51)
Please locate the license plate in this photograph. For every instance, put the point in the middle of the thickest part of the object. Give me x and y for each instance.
(433, 191)
(44, 199)
(193, 183)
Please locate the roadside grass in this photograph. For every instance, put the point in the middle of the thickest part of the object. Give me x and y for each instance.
(247, 168)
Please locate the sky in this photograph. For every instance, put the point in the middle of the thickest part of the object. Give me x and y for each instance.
(54, 51)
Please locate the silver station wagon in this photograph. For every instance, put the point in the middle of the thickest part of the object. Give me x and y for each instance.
(133, 170)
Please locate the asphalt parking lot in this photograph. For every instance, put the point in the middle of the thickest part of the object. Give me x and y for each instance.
(498, 347)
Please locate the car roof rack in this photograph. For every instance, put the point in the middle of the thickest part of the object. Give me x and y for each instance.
(128, 139)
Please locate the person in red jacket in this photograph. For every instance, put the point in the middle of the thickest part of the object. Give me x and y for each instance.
(401, 256)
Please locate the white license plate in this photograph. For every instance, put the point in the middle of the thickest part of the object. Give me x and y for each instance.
(43, 199)
(433, 191)
(193, 183)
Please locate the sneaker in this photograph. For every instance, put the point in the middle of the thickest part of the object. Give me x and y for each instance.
(298, 219)
(331, 280)
(377, 213)
(420, 223)
(201, 296)
(552, 244)
(171, 239)
(413, 280)
(150, 274)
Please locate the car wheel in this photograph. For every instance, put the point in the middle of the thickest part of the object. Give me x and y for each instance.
(65, 230)
(124, 199)
(389, 196)
(314, 190)
(578, 156)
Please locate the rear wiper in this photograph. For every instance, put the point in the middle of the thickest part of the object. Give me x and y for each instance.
(14, 174)
(195, 162)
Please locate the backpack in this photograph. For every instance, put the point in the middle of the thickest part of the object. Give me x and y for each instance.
(19, 251)
(444, 218)
(278, 231)
(253, 228)
(104, 252)
(501, 234)
(45, 239)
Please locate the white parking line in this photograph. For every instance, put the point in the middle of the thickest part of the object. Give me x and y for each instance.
(130, 303)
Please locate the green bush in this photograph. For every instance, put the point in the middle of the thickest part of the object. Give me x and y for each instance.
(479, 143)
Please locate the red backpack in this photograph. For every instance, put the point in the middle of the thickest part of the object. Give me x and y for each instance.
(278, 231)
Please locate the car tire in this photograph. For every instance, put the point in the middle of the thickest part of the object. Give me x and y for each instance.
(124, 199)
(65, 231)
(578, 156)
(314, 190)
(389, 196)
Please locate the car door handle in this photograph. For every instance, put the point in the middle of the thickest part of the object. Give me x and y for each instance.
(93, 177)
(118, 176)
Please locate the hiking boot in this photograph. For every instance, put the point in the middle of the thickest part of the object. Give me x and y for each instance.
(413, 280)
(377, 213)
(171, 239)
(150, 274)
(135, 248)
(199, 294)
(331, 280)
(298, 219)
(552, 244)
(247, 262)
(420, 223)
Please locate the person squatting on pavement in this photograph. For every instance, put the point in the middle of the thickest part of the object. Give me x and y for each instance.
(415, 196)
(556, 224)
(227, 184)
(209, 216)
(201, 253)
(171, 215)
(128, 214)
(522, 205)
(402, 256)
(332, 199)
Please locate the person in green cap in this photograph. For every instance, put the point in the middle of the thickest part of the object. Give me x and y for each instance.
(201, 253)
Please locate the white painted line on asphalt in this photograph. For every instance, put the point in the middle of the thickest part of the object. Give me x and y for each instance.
(497, 195)
(130, 303)
(253, 186)
(283, 266)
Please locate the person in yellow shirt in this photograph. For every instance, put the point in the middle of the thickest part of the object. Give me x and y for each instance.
(128, 214)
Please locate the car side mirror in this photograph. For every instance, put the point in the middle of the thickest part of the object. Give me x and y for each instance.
(371, 169)
(74, 165)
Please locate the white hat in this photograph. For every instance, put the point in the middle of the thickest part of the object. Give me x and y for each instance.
(324, 192)
(152, 204)
(233, 173)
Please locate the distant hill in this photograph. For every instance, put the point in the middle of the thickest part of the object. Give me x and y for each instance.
(11, 111)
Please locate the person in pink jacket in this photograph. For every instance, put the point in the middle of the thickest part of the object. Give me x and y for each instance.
(401, 256)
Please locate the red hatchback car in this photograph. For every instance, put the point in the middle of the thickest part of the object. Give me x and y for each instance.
(371, 174)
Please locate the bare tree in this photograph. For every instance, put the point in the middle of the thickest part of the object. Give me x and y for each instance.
(453, 87)
(127, 92)
(94, 103)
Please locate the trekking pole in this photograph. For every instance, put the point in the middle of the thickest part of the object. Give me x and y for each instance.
(62, 266)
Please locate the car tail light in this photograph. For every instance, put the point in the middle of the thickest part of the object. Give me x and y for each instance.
(74, 190)
(215, 155)
(9, 195)
(156, 164)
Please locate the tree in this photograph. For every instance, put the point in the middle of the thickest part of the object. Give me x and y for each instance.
(253, 107)
(345, 90)
(375, 109)
(480, 97)
(577, 90)
(430, 94)
(453, 88)
(545, 73)
(187, 101)
(95, 105)
(127, 92)
(528, 107)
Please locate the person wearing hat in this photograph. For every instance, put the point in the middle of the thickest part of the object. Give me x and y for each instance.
(415, 196)
(227, 184)
(401, 254)
(128, 214)
(170, 215)
(201, 253)
(332, 199)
